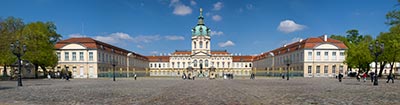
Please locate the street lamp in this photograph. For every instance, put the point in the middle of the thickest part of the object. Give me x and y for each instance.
(287, 61)
(18, 51)
(113, 64)
(376, 51)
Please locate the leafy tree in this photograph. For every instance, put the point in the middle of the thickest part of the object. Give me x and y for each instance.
(10, 28)
(391, 40)
(357, 54)
(40, 38)
(393, 17)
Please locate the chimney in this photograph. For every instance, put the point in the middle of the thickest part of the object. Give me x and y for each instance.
(325, 38)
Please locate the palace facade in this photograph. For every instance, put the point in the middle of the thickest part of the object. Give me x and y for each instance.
(89, 58)
(311, 57)
(200, 60)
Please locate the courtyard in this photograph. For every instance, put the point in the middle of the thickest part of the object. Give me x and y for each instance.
(175, 91)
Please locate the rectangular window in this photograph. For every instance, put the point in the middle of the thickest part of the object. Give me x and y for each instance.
(334, 69)
(325, 69)
(66, 55)
(59, 56)
(81, 56)
(73, 56)
(90, 56)
(309, 55)
(326, 55)
(318, 56)
(341, 69)
(309, 69)
(318, 69)
(334, 55)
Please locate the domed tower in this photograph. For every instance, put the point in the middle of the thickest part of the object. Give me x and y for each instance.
(201, 36)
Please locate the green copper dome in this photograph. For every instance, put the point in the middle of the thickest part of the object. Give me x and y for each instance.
(201, 29)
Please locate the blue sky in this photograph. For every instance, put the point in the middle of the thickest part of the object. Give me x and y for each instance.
(239, 26)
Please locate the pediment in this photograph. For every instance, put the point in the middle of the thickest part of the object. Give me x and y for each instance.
(201, 54)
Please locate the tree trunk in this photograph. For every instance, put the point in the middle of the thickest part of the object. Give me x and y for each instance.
(391, 68)
(44, 71)
(36, 71)
(382, 66)
(5, 71)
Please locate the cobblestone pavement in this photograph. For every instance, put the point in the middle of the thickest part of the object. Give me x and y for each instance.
(174, 91)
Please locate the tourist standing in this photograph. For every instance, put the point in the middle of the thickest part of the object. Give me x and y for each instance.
(340, 77)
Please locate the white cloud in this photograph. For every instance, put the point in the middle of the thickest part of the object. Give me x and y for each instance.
(119, 37)
(154, 52)
(114, 38)
(179, 8)
(76, 35)
(218, 33)
(208, 14)
(217, 18)
(146, 38)
(288, 26)
(218, 6)
(140, 46)
(226, 44)
(192, 2)
(174, 37)
(249, 6)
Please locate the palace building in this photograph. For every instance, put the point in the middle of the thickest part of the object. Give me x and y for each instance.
(311, 57)
(89, 58)
(200, 60)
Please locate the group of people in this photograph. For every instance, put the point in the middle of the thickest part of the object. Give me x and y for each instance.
(364, 76)
(189, 76)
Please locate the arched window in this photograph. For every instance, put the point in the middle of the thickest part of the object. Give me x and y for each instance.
(207, 44)
(195, 63)
(206, 63)
(201, 44)
(194, 44)
(179, 64)
(218, 64)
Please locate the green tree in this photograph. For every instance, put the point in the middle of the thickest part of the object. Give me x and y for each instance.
(10, 29)
(391, 51)
(40, 38)
(393, 17)
(357, 54)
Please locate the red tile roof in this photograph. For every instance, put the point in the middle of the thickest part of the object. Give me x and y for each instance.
(308, 43)
(90, 43)
(182, 53)
(242, 58)
(158, 58)
(219, 52)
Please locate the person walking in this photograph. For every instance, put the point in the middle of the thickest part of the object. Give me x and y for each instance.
(390, 77)
(364, 76)
(340, 77)
(48, 76)
(135, 76)
(372, 76)
(283, 76)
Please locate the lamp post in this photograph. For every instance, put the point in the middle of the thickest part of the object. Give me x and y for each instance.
(113, 64)
(18, 51)
(376, 50)
(287, 61)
